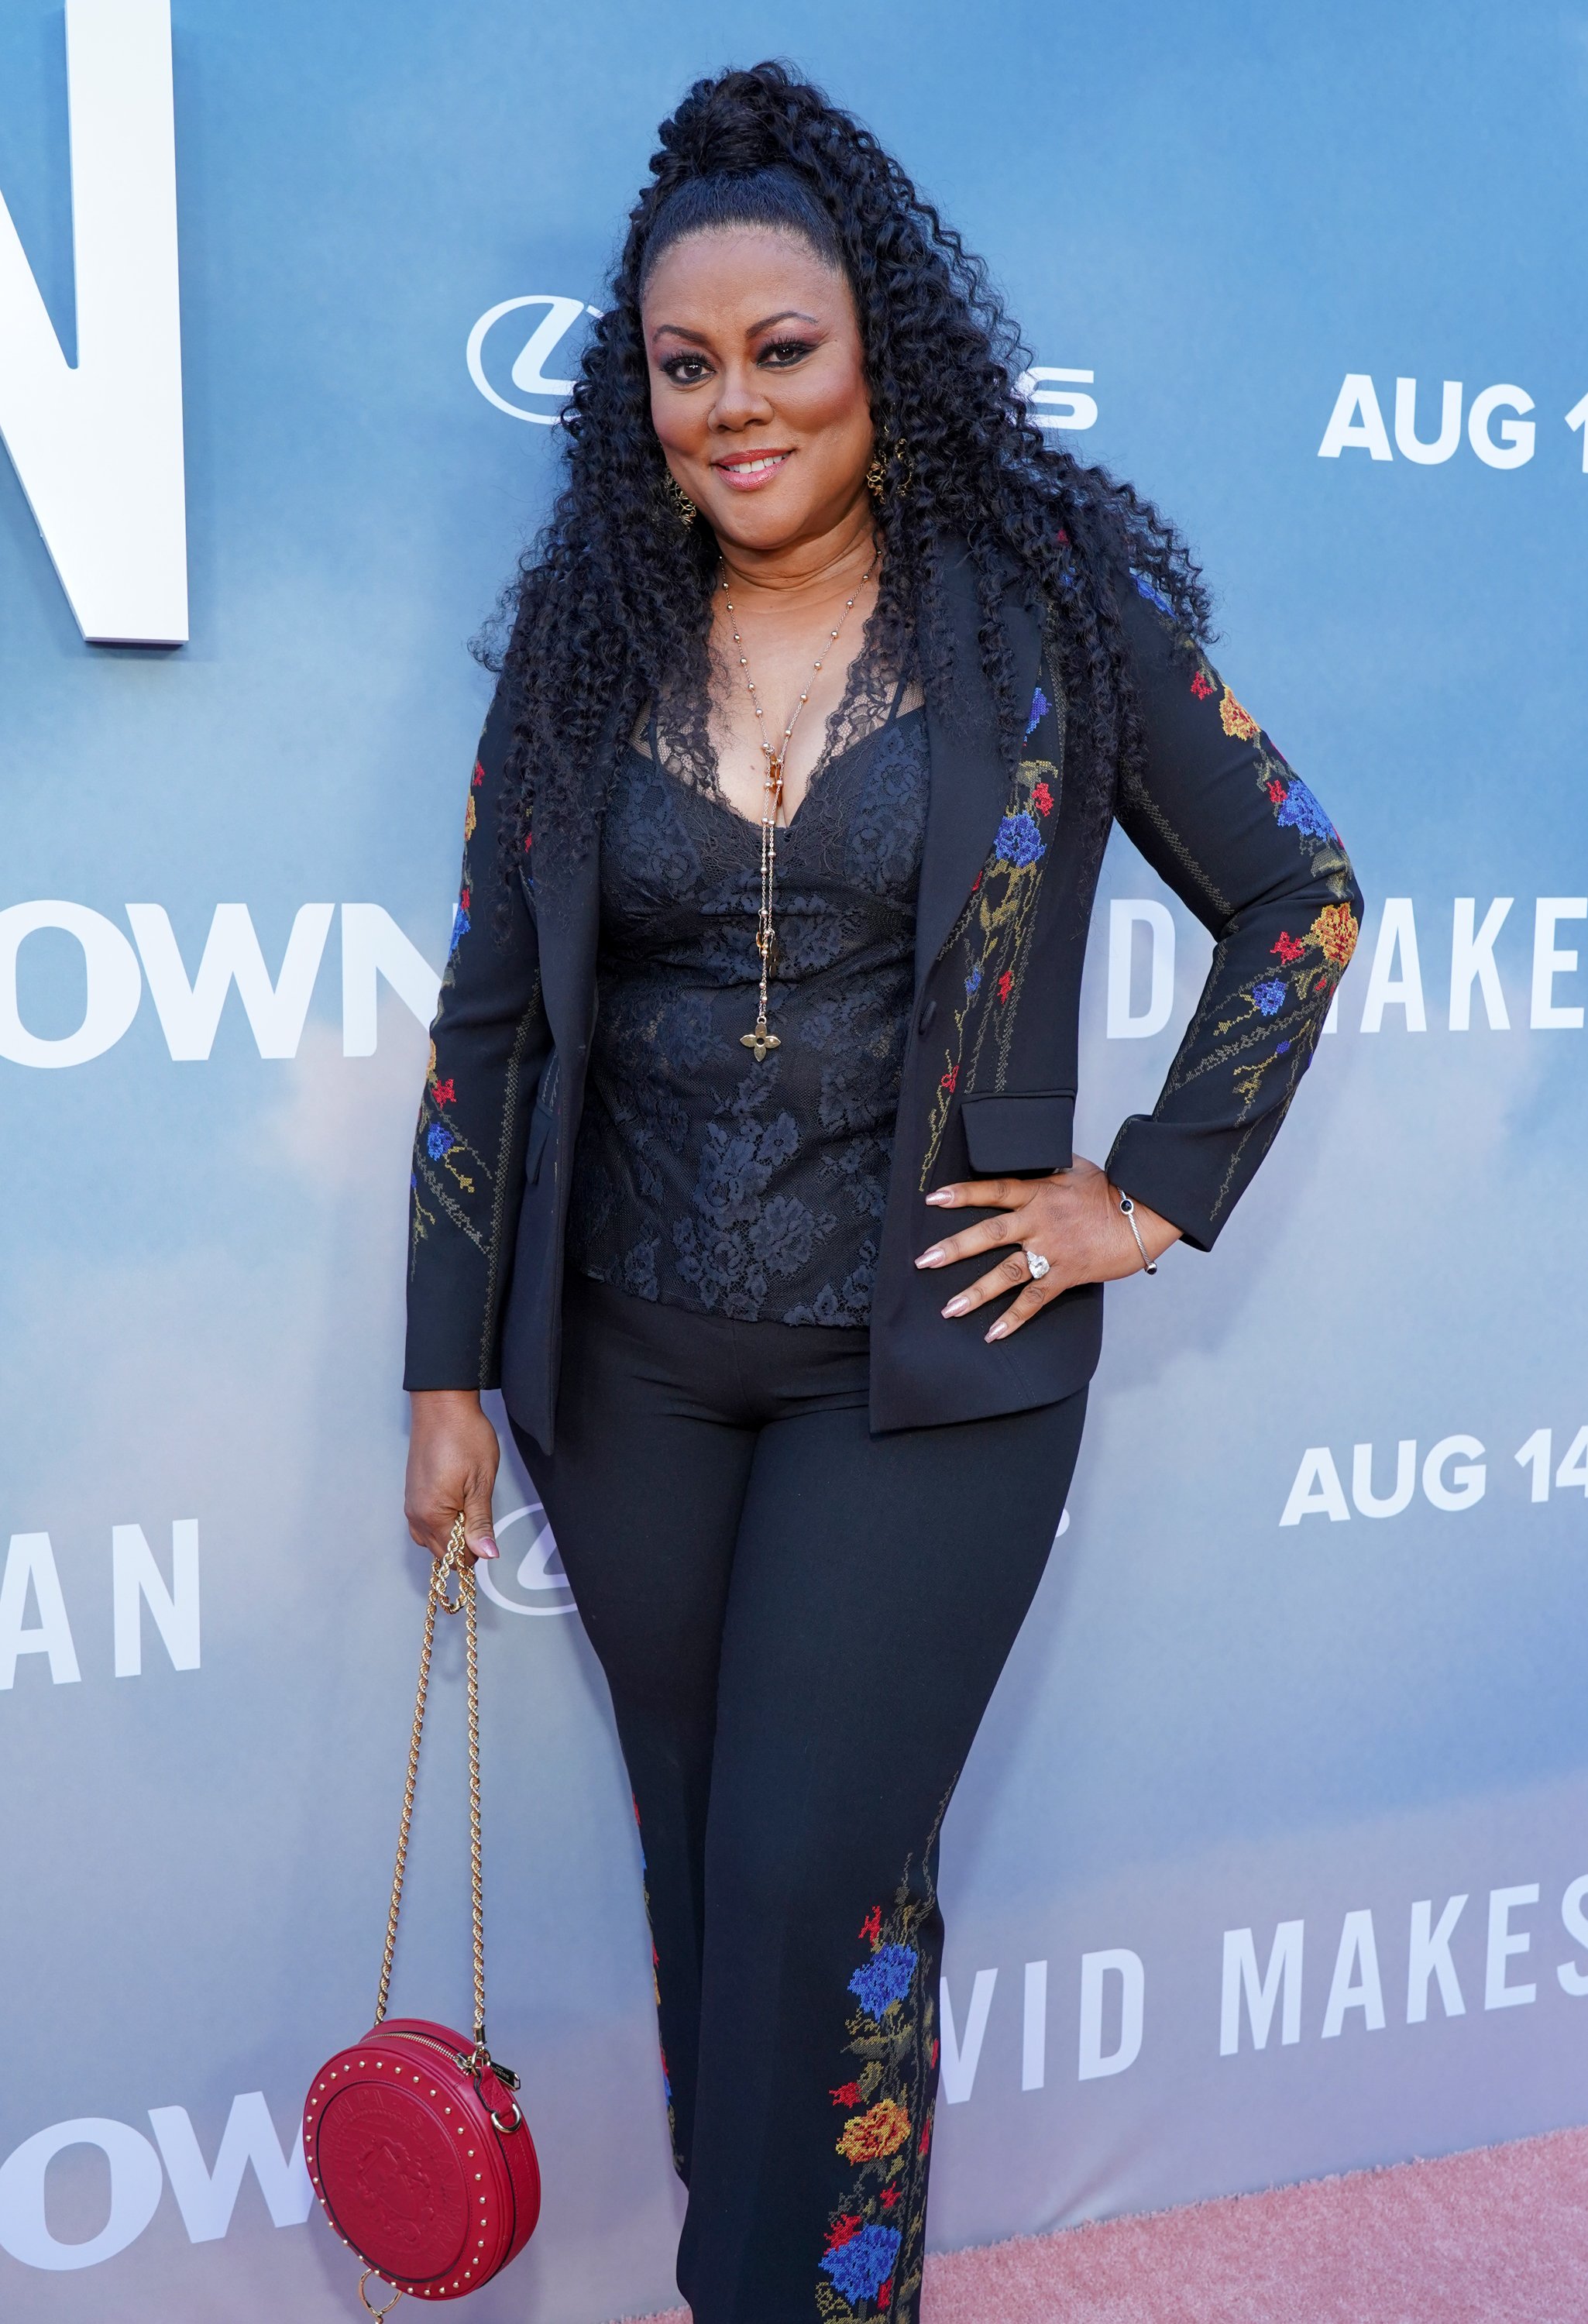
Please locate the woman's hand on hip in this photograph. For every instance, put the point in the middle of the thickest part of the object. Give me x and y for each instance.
(452, 1460)
(1072, 1220)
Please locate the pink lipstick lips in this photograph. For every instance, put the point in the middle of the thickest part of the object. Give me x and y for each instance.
(748, 472)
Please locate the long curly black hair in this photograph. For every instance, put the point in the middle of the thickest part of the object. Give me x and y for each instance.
(611, 608)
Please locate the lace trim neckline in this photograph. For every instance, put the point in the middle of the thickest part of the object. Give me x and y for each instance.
(874, 695)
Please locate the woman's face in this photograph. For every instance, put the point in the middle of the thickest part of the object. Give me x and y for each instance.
(757, 387)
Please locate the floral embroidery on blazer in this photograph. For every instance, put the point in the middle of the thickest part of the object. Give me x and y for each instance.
(1240, 837)
(469, 1145)
(989, 944)
(1279, 899)
(1278, 962)
(447, 1168)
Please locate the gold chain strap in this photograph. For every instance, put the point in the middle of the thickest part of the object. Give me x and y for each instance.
(458, 1564)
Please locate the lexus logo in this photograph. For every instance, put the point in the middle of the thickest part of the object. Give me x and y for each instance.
(508, 365)
(538, 1574)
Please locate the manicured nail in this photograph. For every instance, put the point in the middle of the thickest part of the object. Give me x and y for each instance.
(943, 1199)
(960, 1306)
(485, 1546)
(998, 1331)
(932, 1258)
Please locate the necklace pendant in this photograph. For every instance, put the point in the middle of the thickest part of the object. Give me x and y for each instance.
(760, 1041)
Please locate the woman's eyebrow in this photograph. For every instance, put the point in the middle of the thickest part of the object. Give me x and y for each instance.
(700, 338)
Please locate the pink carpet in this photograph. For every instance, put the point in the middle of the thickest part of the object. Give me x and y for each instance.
(1496, 2236)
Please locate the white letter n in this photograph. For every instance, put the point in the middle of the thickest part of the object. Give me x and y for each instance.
(99, 448)
(137, 1581)
(373, 947)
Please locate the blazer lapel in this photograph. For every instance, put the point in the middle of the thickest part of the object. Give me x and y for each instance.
(567, 911)
(567, 902)
(969, 780)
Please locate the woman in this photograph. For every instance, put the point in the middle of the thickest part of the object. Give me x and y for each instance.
(744, 1164)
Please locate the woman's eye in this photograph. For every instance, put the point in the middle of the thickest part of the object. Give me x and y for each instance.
(684, 371)
(784, 352)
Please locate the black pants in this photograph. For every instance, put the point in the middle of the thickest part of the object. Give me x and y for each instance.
(801, 1624)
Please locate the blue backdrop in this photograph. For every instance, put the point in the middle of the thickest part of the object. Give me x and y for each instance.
(1239, 1767)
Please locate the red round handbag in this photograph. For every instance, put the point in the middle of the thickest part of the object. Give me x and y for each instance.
(420, 2155)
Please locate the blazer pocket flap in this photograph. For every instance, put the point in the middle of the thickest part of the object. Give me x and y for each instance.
(1012, 1134)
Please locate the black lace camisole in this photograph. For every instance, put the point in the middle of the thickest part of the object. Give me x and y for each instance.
(702, 1179)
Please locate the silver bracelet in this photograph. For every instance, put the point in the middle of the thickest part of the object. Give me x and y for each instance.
(1148, 1265)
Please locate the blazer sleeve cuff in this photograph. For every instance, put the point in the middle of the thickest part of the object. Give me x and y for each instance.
(449, 1349)
(423, 1379)
(1189, 1176)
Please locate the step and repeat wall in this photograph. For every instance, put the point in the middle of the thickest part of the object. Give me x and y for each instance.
(1272, 1857)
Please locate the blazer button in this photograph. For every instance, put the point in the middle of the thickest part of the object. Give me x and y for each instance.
(923, 1023)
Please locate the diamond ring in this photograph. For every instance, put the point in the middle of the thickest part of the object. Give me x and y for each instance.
(1038, 1265)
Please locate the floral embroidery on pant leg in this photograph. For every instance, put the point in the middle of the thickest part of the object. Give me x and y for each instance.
(870, 2266)
(666, 2085)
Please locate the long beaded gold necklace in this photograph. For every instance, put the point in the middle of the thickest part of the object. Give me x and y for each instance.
(760, 1041)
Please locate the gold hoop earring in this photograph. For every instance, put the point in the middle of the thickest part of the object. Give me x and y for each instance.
(891, 457)
(682, 505)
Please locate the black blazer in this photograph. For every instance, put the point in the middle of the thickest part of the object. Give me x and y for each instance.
(990, 1069)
